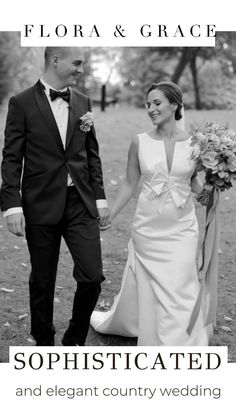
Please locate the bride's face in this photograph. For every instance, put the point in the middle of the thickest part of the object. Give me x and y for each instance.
(159, 108)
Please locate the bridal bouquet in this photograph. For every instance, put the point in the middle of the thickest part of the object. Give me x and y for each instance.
(214, 150)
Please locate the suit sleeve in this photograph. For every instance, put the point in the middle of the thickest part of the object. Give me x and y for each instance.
(94, 162)
(13, 153)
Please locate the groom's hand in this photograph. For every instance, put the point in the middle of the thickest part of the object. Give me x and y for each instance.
(104, 218)
(16, 224)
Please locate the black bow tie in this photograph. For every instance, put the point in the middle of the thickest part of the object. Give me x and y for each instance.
(65, 95)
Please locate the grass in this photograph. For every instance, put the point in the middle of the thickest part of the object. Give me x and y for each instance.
(115, 129)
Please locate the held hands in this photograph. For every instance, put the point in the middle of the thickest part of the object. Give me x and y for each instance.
(16, 224)
(104, 218)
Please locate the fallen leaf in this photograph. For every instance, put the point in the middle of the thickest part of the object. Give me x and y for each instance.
(228, 319)
(113, 182)
(16, 247)
(24, 265)
(22, 316)
(56, 300)
(108, 282)
(7, 324)
(7, 290)
(226, 328)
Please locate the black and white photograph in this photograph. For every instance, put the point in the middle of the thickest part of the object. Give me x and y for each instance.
(117, 172)
(117, 199)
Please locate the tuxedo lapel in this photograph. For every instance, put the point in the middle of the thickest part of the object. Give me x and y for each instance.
(75, 111)
(46, 112)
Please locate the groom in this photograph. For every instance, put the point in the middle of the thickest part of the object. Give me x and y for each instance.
(53, 187)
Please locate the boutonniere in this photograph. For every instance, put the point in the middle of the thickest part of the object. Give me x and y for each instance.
(86, 121)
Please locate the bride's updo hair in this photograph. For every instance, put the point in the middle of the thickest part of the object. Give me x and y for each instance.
(172, 92)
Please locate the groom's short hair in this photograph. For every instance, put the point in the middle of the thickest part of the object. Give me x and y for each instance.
(54, 51)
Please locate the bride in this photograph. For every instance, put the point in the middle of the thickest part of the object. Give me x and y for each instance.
(160, 284)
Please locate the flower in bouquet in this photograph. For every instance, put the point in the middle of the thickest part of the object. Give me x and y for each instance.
(214, 151)
(86, 121)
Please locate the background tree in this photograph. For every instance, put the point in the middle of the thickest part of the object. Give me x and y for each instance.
(19, 67)
(206, 75)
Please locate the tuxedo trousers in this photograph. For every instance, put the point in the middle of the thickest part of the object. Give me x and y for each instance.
(82, 236)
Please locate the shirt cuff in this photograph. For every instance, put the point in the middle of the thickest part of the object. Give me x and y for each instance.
(11, 211)
(101, 203)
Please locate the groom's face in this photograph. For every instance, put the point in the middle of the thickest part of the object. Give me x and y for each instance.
(69, 66)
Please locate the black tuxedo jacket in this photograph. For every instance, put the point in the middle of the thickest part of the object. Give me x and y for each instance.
(35, 165)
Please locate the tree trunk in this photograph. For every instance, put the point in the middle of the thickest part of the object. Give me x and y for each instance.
(193, 68)
(189, 56)
(103, 98)
(184, 60)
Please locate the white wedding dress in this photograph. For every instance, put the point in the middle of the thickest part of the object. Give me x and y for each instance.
(160, 284)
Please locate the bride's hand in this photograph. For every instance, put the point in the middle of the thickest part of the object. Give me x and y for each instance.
(105, 227)
(104, 218)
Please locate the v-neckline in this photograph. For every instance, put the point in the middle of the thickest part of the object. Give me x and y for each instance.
(169, 169)
(163, 145)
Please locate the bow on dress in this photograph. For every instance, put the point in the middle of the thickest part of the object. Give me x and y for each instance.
(162, 185)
